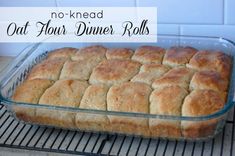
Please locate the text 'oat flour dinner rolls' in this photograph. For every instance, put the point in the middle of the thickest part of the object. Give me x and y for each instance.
(176, 81)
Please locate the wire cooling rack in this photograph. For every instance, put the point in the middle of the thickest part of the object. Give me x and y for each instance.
(14, 134)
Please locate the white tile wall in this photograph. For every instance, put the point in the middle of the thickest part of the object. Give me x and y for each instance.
(186, 17)
(229, 7)
(96, 3)
(226, 31)
(187, 11)
(171, 29)
(27, 3)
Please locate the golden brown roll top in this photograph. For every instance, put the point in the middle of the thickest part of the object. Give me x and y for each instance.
(29, 92)
(119, 97)
(149, 72)
(62, 53)
(93, 54)
(153, 67)
(149, 54)
(201, 103)
(166, 101)
(47, 69)
(129, 97)
(80, 70)
(64, 93)
(119, 53)
(178, 56)
(110, 72)
(209, 80)
(95, 97)
(175, 77)
(211, 60)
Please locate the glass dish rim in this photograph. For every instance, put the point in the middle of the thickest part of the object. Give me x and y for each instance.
(228, 105)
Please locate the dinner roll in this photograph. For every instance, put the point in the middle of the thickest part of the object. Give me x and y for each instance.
(149, 72)
(129, 97)
(211, 60)
(29, 92)
(178, 56)
(66, 93)
(94, 98)
(179, 76)
(209, 80)
(80, 70)
(62, 53)
(47, 69)
(93, 54)
(110, 72)
(200, 103)
(119, 53)
(149, 54)
(166, 101)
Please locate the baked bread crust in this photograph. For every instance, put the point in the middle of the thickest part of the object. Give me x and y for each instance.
(93, 98)
(29, 92)
(66, 93)
(166, 101)
(179, 76)
(80, 70)
(119, 53)
(47, 69)
(149, 54)
(210, 80)
(129, 97)
(200, 103)
(93, 54)
(62, 53)
(178, 56)
(110, 72)
(149, 72)
(211, 60)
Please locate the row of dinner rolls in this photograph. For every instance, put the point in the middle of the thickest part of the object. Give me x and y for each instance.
(179, 81)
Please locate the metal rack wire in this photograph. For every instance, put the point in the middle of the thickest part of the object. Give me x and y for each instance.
(14, 134)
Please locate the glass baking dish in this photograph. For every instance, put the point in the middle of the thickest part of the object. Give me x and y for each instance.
(203, 127)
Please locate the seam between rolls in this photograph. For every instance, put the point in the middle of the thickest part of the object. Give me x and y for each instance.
(106, 53)
(149, 106)
(138, 71)
(76, 113)
(163, 56)
(93, 68)
(42, 95)
(106, 101)
(61, 70)
(45, 90)
(181, 114)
